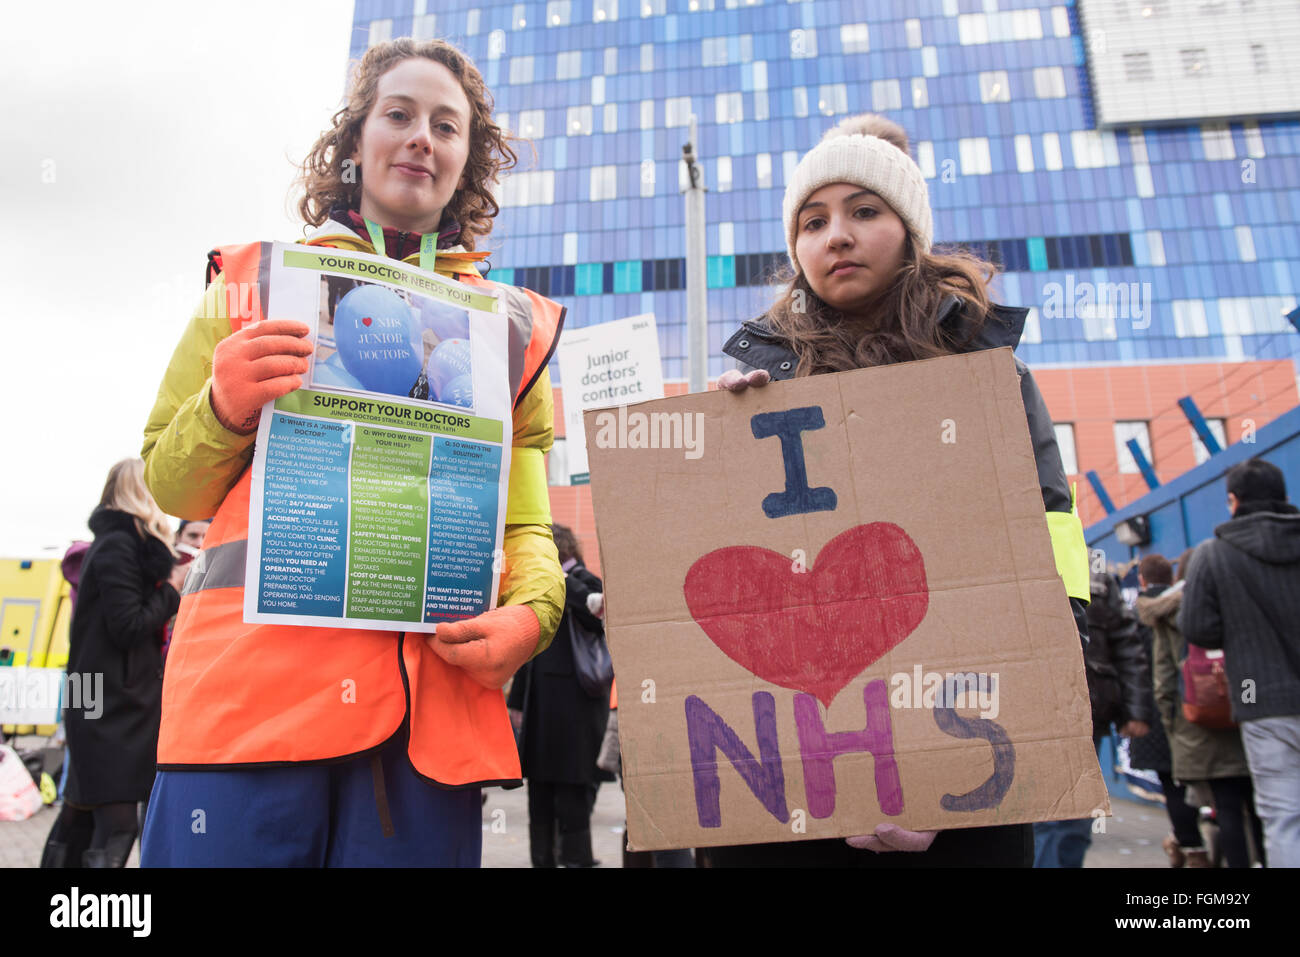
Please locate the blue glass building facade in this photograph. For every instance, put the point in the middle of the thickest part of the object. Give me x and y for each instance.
(995, 97)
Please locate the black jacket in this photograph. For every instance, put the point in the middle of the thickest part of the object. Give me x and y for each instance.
(1243, 595)
(1154, 750)
(123, 602)
(755, 346)
(1118, 668)
(563, 725)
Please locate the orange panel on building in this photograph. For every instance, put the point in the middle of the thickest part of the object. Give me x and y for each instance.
(1246, 395)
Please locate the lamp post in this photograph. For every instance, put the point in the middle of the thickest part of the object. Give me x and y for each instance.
(697, 307)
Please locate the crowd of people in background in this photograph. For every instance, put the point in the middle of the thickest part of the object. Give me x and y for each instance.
(1203, 677)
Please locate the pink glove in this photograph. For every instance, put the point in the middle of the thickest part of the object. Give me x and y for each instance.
(733, 380)
(491, 647)
(260, 362)
(891, 837)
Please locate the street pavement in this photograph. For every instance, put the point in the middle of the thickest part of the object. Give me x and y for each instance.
(1132, 837)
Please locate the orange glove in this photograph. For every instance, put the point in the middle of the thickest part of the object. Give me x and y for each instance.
(490, 647)
(260, 362)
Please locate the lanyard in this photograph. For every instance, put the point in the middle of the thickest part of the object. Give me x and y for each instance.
(428, 245)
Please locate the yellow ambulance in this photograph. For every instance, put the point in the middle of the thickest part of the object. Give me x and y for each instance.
(35, 612)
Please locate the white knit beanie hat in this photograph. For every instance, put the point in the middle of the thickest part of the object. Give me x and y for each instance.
(863, 150)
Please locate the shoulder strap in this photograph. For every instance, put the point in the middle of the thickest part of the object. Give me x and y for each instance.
(214, 267)
(548, 323)
(535, 323)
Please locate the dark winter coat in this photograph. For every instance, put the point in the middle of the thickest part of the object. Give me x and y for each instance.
(123, 602)
(563, 725)
(1243, 595)
(1119, 678)
(1151, 751)
(1198, 753)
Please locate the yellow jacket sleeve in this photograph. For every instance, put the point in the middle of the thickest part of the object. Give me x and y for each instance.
(531, 572)
(190, 459)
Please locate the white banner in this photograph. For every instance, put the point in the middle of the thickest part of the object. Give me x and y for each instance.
(610, 364)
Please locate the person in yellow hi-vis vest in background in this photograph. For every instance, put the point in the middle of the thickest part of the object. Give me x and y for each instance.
(261, 759)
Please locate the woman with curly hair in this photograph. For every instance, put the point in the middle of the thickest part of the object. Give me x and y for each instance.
(321, 746)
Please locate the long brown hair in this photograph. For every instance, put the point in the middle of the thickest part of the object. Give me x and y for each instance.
(903, 322)
(566, 543)
(322, 176)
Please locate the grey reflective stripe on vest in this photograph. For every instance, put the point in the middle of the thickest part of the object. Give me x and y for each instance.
(519, 310)
(264, 278)
(221, 566)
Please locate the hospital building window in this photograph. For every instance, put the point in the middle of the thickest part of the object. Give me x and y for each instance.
(1065, 442)
(380, 32)
(994, 87)
(1132, 430)
(558, 13)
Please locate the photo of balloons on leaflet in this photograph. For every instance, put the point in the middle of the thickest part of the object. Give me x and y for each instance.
(373, 338)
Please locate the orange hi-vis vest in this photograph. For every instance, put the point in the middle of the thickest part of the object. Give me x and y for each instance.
(250, 695)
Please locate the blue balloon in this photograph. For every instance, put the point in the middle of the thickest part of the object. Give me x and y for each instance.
(450, 359)
(443, 320)
(378, 340)
(459, 391)
(331, 373)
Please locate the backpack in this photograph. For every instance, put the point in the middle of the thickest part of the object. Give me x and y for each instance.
(591, 660)
(1203, 680)
(1203, 687)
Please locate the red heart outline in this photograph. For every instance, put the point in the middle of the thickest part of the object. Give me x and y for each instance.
(815, 630)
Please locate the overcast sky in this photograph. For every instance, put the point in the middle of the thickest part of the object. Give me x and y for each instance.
(137, 136)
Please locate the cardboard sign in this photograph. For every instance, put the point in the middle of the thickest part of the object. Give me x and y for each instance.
(837, 605)
(608, 364)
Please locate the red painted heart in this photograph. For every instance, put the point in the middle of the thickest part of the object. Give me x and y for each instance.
(813, 630)
(366, 321)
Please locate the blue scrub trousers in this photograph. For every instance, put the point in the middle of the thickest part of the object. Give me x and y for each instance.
(310, 816)
(1064, 843)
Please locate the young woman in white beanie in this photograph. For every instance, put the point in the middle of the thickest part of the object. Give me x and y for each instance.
(866, 288)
